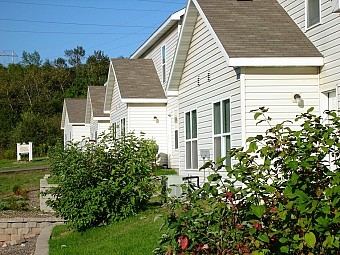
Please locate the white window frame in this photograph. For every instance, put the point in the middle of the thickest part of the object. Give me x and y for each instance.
(191, 154)
(176, 129)
(223, 132)
(122, 126)
(163, 63)
(307, 4)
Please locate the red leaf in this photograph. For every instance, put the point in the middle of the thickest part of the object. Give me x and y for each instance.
(183, 242)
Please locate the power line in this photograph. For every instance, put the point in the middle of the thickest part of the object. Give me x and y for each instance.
(83, 7)
(72, 23)
(68, 33)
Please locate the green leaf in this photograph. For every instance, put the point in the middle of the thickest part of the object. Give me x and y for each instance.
(283, 240)
(310, 239)
(263, 237)
(258, 210)
(284, 249)
(257, 114)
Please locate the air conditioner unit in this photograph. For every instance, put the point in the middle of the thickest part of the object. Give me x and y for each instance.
(335, 6)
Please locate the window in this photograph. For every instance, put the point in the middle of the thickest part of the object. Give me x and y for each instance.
(122, 127)
(114, 130)
(163, 64)
(176, 139)
(175, 123)
(191, 150)
(222, 141)
(313, 13)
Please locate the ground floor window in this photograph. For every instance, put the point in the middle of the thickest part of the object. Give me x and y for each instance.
(122, 127)
(191, 150)
(221, 126)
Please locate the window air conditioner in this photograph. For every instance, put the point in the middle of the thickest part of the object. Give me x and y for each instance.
(335, 6)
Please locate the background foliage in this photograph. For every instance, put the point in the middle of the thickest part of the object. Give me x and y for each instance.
(281, 196)
(32, 93)
(102, 182)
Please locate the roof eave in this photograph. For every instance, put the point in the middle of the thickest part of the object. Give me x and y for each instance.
(276, 61)
(144, 100)
(162, 30)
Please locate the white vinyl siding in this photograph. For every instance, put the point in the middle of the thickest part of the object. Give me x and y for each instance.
(118, 109)
(152, 121)
(172, 127)
(74, 132)
(326, 38)
(274, 88)
(203, 58)
(170, 40)
(221, 126)
(313, 13)
(191, 149)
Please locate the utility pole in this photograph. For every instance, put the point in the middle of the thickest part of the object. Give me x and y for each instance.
(8, 56)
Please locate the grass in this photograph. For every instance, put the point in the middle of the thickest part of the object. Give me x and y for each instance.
(28, 180)
(137, 235)
(10, 164)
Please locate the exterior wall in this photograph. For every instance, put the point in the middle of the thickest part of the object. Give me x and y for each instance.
(274, 88)
(93, 126)
(118, 108)
(170, 40)
(142, 119)
(67, 130)
(172, 113)
(204, 56)
(103, 127)
(325, 36)
(75, 133)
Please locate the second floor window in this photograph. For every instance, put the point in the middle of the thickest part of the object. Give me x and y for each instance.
(163, 52)
(313, 14)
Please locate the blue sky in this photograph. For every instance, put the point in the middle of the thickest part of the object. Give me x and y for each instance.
(117, 27)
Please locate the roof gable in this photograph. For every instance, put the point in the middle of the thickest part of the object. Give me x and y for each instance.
(137, 80)
(75, 109)
(248, 33)
(95, 103)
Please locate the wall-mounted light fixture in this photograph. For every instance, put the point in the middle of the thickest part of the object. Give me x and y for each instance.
(156, 119)
(296, 98)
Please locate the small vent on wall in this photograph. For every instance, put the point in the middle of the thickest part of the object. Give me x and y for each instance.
(198, 81)
(209, 76)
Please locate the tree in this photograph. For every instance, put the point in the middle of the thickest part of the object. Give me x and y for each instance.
(31, 58)
(75, 56)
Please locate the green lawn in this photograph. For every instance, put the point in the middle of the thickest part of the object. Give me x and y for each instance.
(134, 236)
(25, 179)
(8, 164)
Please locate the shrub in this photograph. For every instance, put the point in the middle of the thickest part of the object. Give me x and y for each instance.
(102, 182)
(288, 202)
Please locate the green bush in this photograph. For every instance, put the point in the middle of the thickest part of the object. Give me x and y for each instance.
(102, 182)
(288, 202)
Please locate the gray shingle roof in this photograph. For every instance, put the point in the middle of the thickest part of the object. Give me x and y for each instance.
(76, 109)
(97, 95)
(137, 78)
(258, 28)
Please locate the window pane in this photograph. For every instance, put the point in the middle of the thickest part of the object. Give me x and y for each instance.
(217, 118)
(194, 155)
(163, 54)
(194, 123)
(188, 155)
(176, 139)
(313, 12)
(187, 126)
(227, 148)
(217, 148)
(226, 116)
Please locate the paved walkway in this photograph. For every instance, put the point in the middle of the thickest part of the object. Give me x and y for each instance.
(24, 169)
(41, 247)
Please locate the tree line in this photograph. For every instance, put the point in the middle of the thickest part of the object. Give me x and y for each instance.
(32, 94)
